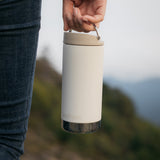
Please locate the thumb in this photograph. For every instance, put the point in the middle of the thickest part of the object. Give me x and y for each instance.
(93, 19)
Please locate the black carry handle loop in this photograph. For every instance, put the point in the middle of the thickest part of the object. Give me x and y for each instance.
(98, 37)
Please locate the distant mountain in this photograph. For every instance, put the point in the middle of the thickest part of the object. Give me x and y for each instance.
(145, 95)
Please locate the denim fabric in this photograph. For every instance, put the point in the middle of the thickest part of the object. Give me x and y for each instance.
(19, 31)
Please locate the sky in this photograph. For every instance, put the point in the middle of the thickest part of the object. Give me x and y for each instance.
(131, 35)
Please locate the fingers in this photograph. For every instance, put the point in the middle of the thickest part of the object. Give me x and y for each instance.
(99, 13)
(66, 27)
(93, 19)
(67, 13)
(73, 20)
(79, 24)
(77, 19)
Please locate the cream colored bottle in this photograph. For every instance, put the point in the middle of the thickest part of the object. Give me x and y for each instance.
(82, 83)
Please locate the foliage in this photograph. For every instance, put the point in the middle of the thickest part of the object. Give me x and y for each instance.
(123, 135)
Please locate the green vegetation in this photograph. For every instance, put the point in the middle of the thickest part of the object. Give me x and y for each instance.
(123, 136)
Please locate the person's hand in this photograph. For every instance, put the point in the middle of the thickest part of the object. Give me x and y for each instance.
(80, 15)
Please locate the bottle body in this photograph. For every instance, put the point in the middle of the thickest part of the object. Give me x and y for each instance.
(82, 82)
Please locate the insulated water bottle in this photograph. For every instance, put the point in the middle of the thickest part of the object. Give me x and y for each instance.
(82, 82)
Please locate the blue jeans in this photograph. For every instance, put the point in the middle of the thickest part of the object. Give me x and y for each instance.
(19, 30)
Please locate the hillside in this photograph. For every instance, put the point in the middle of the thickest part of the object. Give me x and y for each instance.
(123, 136)
(145, 95)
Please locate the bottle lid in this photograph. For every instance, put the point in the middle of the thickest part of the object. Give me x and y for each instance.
(81, 39)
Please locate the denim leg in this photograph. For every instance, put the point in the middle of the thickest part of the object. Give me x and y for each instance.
(19, 31)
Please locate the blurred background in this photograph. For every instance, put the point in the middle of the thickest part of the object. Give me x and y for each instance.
(131, 90)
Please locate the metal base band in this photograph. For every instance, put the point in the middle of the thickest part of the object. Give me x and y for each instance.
(80, 127)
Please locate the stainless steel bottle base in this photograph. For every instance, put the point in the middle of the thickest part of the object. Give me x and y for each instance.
(80, 127)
